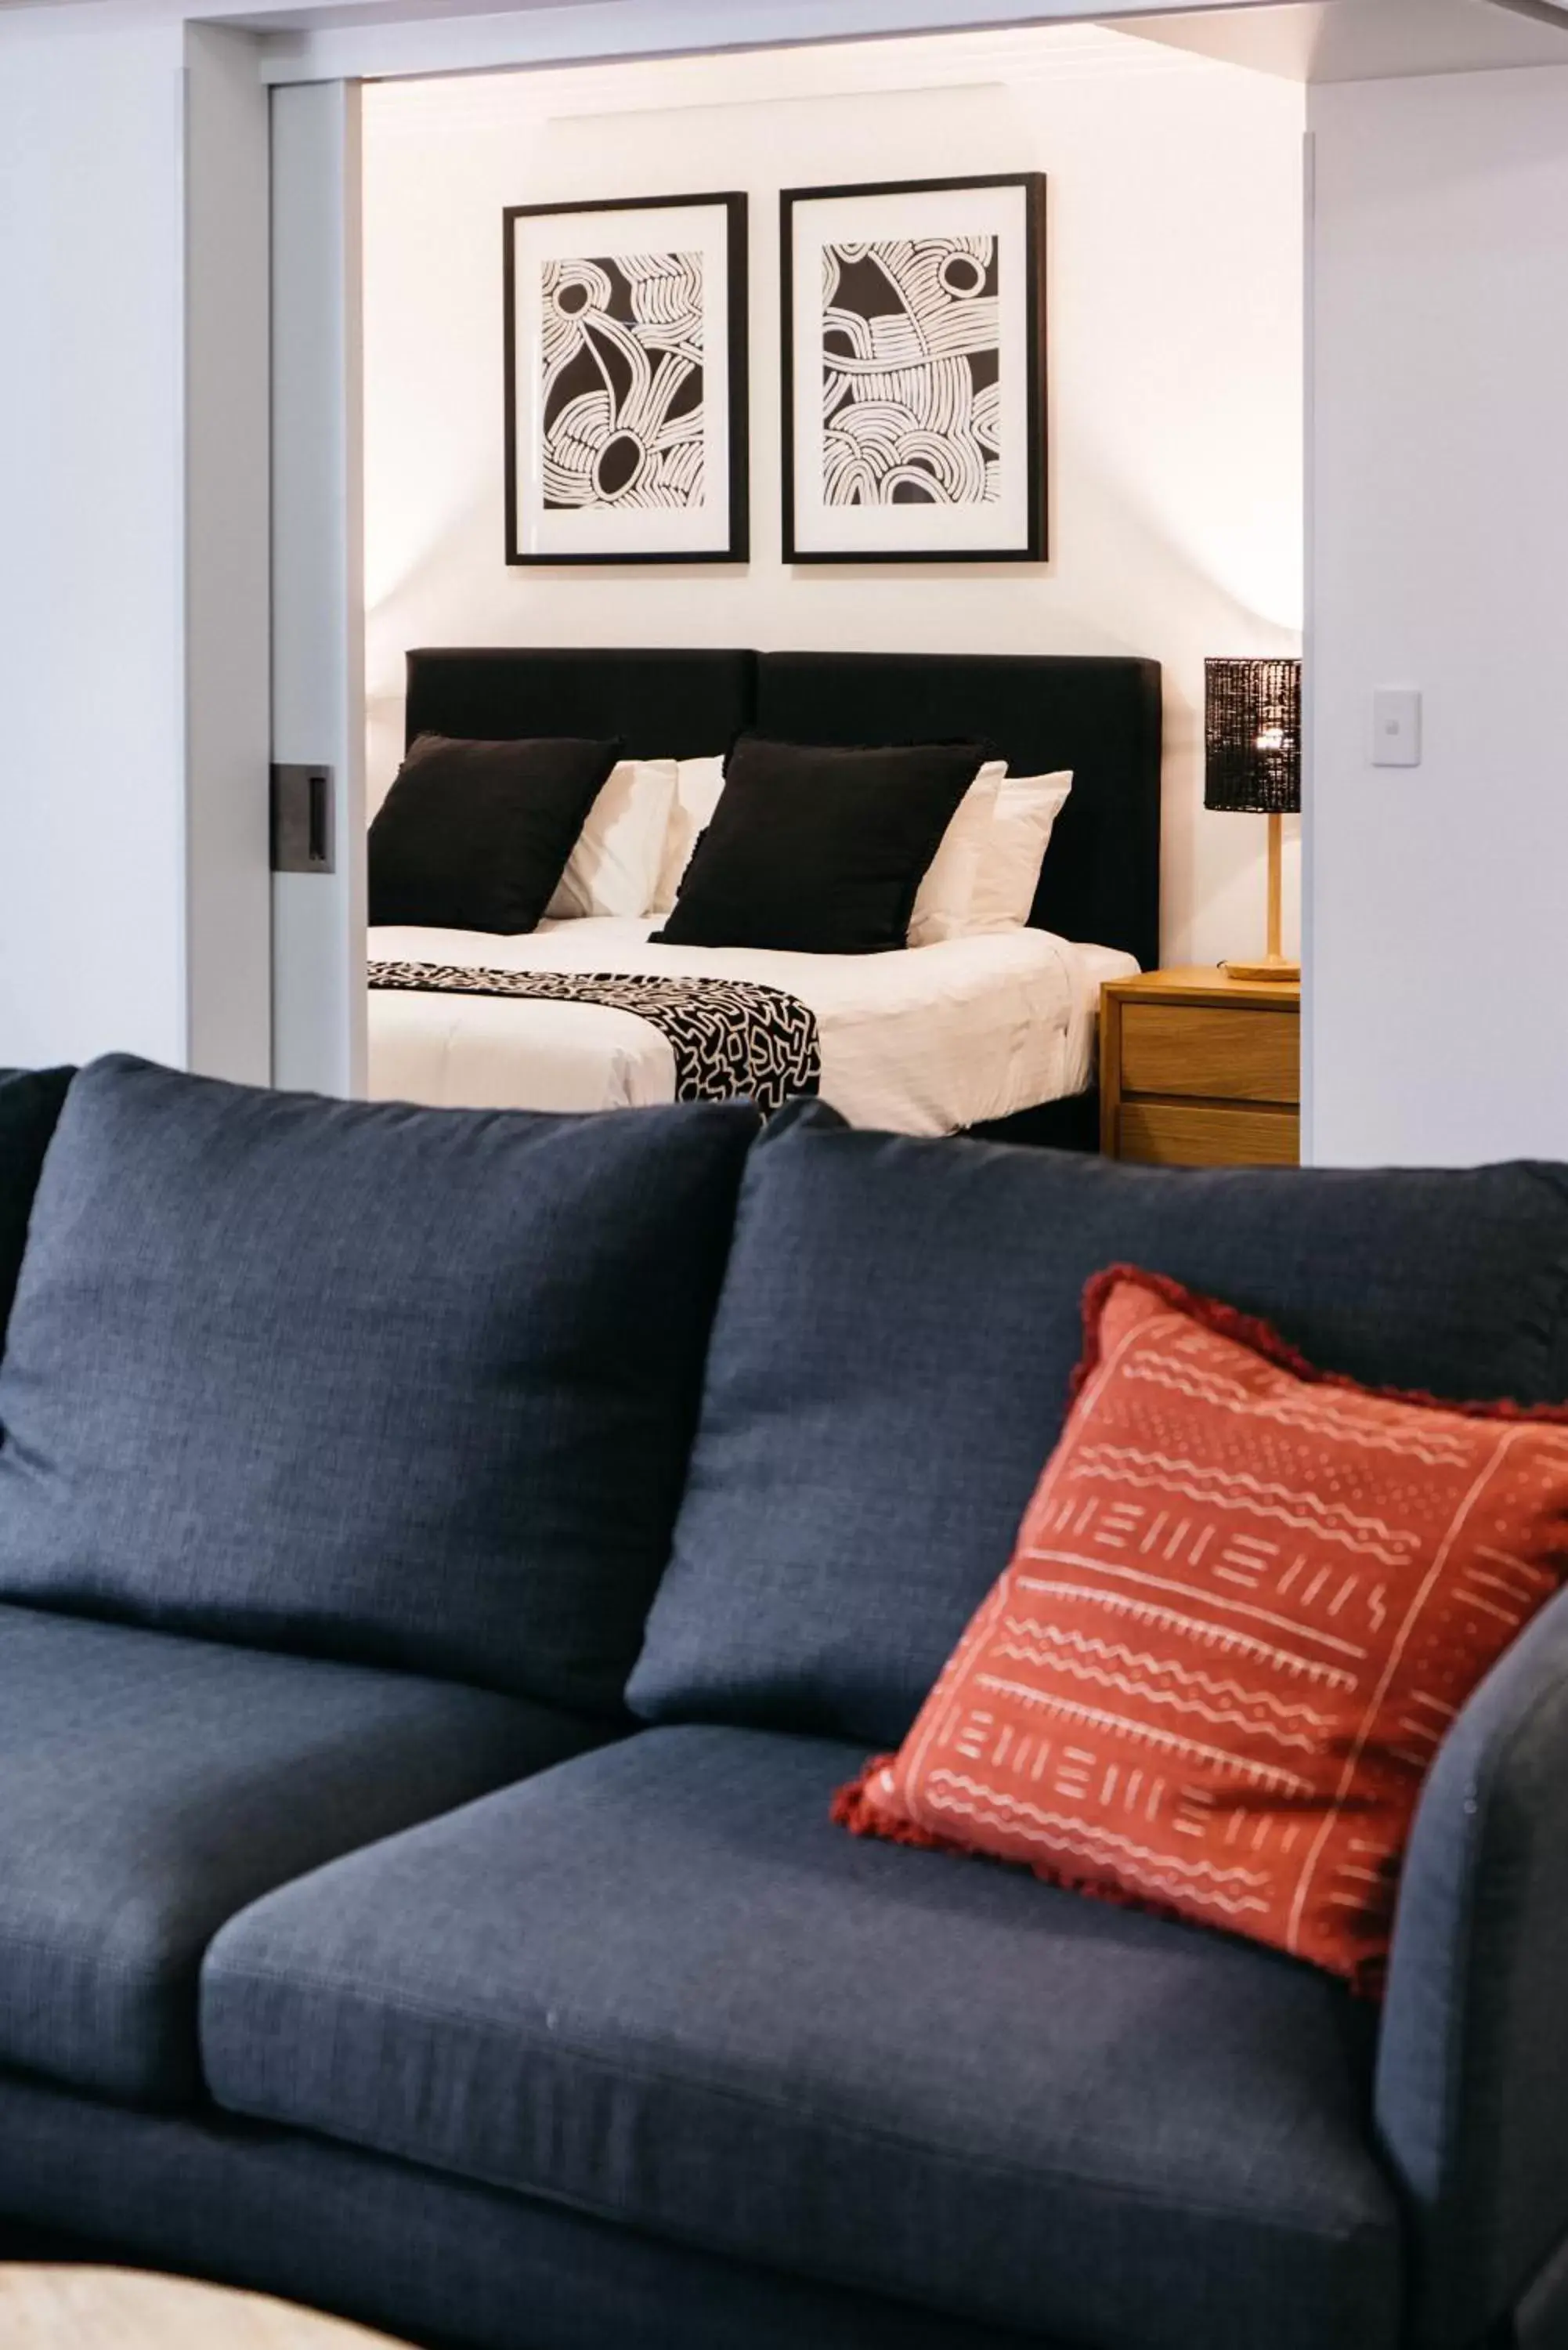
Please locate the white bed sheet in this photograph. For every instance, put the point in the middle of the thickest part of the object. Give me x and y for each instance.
(914, 1043)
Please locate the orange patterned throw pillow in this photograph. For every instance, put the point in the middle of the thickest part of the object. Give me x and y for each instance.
(1247, 1602)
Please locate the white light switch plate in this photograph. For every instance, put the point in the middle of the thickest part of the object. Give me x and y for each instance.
(1396, 728)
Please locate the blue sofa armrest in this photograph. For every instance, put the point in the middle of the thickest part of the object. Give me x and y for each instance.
(1472, 2073)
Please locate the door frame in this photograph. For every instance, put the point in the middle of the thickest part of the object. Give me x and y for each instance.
(318, 1006)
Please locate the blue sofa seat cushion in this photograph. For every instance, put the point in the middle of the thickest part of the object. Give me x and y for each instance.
(30, 1103)
(891, 1364)
(407, 1386)
(659, 1984)
(151, 1786)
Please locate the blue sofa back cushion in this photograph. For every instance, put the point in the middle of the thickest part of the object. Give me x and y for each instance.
(409, 1386)
(892, 1359)
(29, 1105)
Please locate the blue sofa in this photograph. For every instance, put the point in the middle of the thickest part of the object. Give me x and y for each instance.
(447, 1562)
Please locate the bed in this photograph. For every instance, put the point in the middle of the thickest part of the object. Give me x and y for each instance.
(992, 1033)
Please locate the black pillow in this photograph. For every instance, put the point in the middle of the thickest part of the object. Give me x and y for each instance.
(819, 850)
(475, 836)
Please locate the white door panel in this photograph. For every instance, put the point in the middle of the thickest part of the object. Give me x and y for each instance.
(317, 690)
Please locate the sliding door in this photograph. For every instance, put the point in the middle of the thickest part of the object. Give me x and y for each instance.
(317, 618)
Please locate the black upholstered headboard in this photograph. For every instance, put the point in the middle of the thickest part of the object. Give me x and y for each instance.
(662, 705)
(1099, 716)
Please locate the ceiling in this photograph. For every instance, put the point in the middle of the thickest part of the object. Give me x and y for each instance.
(1366, 40)
(1301, 40)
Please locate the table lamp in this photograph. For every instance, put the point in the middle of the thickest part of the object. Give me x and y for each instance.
(1253, 734)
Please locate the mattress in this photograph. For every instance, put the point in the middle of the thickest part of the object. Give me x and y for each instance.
(922, 1041)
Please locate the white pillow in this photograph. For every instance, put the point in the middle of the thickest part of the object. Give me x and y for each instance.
(944, 899)
(614, 868)
(698, 786)
(1027, 807)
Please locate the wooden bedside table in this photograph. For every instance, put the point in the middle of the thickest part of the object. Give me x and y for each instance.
(1200, 1070)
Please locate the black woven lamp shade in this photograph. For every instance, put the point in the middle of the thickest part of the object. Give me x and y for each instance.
(1254, 736)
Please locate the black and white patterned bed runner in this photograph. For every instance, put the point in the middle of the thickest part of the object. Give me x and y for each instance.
(729, 1037)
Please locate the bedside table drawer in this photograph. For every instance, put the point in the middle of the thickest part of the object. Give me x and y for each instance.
(1205, 1134)
(1212, 1052)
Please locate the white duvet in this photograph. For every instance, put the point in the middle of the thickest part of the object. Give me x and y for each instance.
(919, 1042)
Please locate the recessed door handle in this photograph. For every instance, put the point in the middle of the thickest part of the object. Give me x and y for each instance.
(302, 830)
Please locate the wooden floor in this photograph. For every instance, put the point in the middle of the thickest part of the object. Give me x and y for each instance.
(48, 2308)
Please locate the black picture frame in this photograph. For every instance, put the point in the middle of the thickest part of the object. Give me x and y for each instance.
(733, 372)
(1033, 544)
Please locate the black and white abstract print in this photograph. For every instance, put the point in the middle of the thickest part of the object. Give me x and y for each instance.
(911, 372)
(729, 1038)
(623, 382)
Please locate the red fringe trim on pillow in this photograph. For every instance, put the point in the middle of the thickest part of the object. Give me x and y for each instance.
(1262, 1338)
(855, 1808)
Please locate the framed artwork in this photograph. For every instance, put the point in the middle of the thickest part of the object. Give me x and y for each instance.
(914, 371)
(625, 381)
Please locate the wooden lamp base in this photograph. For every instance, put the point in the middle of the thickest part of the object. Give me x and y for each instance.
(1273, 966)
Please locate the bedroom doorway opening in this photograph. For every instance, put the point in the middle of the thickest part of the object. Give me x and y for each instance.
(1171, 410)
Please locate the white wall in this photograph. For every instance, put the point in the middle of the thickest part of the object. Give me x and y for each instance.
(132, 560)
(92, 799)
(1438, 1006)
(1176, 367)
